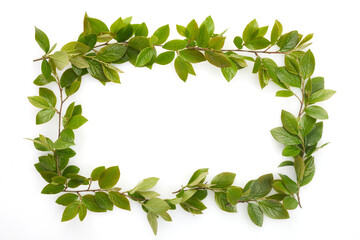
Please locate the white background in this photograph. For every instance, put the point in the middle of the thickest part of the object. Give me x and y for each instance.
(153, 124)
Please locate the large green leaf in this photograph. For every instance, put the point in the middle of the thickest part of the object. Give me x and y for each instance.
(109, 177)
(284, 137)
(273, 209)
(255, 214)
(42, 40)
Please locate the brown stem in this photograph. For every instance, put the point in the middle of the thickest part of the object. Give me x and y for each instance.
(102, 190)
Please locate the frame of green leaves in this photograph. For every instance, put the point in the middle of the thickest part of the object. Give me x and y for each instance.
(128, 42)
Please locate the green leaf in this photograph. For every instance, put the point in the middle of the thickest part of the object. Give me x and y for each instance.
(165, 57)
(288, 78)
(209, 24)
(223, 180)
(76, 122)
(70, 211)
(67, 135)
(82, 212)
(299, 166)
(257, 43)
(289, 183)
(273, 209)
(67, 198)
(39, 102)
(48, 95)
(288, 41)
(321, 95)
(91, 204)
(290, 203)
(95, 174)
(73, 88)
(204, 37)
(317, 84)
(222, 202)
(258, 188)
(109, 177)
(68, 77)
(162, 34)
(60, 59)
(141, 29)
(125, 33)
(316, 112)
(180, 29)
(93, 25)
(96, 71)
(45, 69)
(217, 59)
(117, 25)
(284, 93)
(75, 48)
(290, 151)
(61, 144)
(175, 45)
(111, 74)
(284, 137)
(234, 194)
(292, 64)
(250, 31)
(41, 80)
(192, 31)
(145, 56)
(89, 40)
(48, 162)
(276, 32)
(229, 72)
(59, 179)
(70, 170)
(216, 42)
(152, 219)
(192, 55)
(314, 135)
(52, 189)
(198, 177)
(157, 206)
(289, 122)
(306, 124)
(44, 115)
(238, 41)
(79, 62)
(279, 186)
(119, 200)
(309, 172)
(255, 214)
(181, 68)
(103, 200)
(145, 184)
(307, 64)
(111, 53)
(286, 163)
(42, 40)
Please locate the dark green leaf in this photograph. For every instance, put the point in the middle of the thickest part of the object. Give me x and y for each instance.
(299, 166)
(48, 162)
(255, 214)
(91, 204)
(286, 163)
(46, 69)
(48, 95)
(111, 53)
(52, 189)
(145, 56)
(289, 183)
(109, 177)
(309, 171)
(317, 84)
(67, 198)
(257, 43)
(273, 209)
(290, 203)
(119, 200)
(217, 59)
(288, 78)
(289, 122)
(70, 211)
(223, 180)
(141, 29)
(103, 200)
(307, 64)
(67, 135)
(68, 77)
(192, 55)
(233, 194)
(222, 202)
(89, 40)
(306, 124)
(292, 65)
(124, 33)
(314, 135)
(288, 41)
(70, 170)
(290, 151)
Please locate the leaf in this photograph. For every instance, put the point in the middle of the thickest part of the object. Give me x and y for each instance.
(165, 58)
(44, 115)
(125, 33)
(238, 41)
(309, 172)
(216, 42)
(111, 74)
(70, 211)
(39, 102)
(316, 112)
(75, 48)
(141, 29)
(257, 43)
(109, 177)
(42, 40)
(48, 162)
(289, 122)
(198, 177)
(67, 198)
(217, 59)
(314, 135)
(157, 206)
(307, 64)
(60, 59)
(257, 188)
(181, 68)
(229, 72)
(73, 88)
(45, 69)
(79, 62)
(145, 184)
(299, 166)
(273, 209)
(192, 55)
(222, 202)
(306, 124)
(70, 170)
(52, 189)
(180, 29)
(95, 174)
(192, 31)
(152, 219)
(96, 71)
(103, 200)
(289, 183)
(255, 214)
(289, 41)
(68, 77)
(89, 40)
(204, 37)
(91, 204)
(48, 95)
(250, 31)
(290, 203)
(234, 194)
(93, 25)
(175, 45)
(41, 80)
(209, 24)
(82, 212)
(284, 93)
(321, 95)
(119, 200)
(76, 122)
(145, 56)
(317, 84)
(286, 163)
(162, 34)
(111, 53)
(284, 137)
(276, 32)
(223, 180)
(288, 78)
(290, 151)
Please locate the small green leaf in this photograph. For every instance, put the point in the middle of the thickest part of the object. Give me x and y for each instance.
(289, 122)
(229, 72)
(217, 59)
(321, 95)
(288, 78)
(175, 45)
(70, 211)
(70, 170)
(152, 219)
(111, 74)
(119, 200)
(286, 163)
(39, 102)
(238, 42)
(223, 180)
(42, 40)
(307, 64)
(314, 135)
(162, 34)
(192, 55)
(181, 68)
(276, 32)
(145, 56)
(76, 122)
(103, 200)
(111, 53)
(91, 204)
(250, 31)
(46, 69)
(209, 24)
(95, 174)
(257, 43)
(198, 177)
(289, 183)
(290, 151)
(255, 214)
(75, 48)
(82, 212)
(41, 80)
(48, 95)
(67, 198)
(284, 137)
(44, 115)
(306, 124)
(93, 25)
(60, 59)
(292, 64)
(299, 166)
(222, 202)
(192, 31)
(109, 177)
(52, 189)
(145, 184)
(309, 172)
(124, 33)
(165, 57)
(68, 77)
(204, 37)
(233, 194)
(181, 30)
(288, 41)
(316, 112)
(157, 206)
(273, 209)
(216, 42)
(290, 203)
(284, 93)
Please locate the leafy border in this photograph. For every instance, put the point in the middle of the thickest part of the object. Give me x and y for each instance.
(127, 42)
